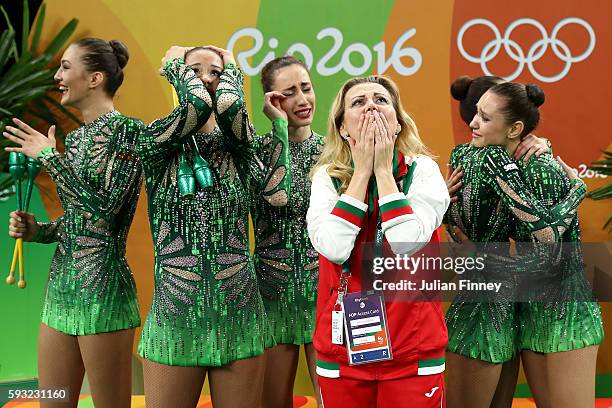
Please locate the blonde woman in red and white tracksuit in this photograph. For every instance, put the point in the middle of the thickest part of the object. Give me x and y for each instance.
(376, 175)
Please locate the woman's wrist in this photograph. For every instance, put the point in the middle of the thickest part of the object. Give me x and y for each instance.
(383, 172)
(361, 174)
(385, 182)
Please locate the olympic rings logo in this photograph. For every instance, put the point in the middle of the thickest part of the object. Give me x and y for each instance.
(537, 50)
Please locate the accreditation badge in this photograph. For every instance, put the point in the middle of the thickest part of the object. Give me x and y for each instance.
(367, 335)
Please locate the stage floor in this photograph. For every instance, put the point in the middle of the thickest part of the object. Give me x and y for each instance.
(298, 402)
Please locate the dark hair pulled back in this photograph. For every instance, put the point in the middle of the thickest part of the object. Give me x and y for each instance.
(108, 57)
(268, 73)
(522, 102)
(468, 92)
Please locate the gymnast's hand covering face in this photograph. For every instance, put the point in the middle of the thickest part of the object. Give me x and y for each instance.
(173, 52)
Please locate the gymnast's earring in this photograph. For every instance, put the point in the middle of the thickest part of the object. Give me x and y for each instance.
(342, 129)
(399, 129)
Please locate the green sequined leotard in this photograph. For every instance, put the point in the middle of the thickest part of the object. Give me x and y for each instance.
(560, 325)
(287, 264)
(91, 289)
(206, 309)
(492, 195)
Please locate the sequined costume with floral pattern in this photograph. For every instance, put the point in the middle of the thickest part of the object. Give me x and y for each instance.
(492, 196)
(91, 289)
(287, 264)
(558, 324)
(206, 309)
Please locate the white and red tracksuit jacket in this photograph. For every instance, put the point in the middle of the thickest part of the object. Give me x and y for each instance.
(337, 225)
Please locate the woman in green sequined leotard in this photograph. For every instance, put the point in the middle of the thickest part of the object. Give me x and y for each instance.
(207, 316)
(286, 263)
(539, 328)
(90, 308)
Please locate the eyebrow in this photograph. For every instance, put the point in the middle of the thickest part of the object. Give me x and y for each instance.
(197, 64)
(65, 60)
(481, 111)
(375, 94)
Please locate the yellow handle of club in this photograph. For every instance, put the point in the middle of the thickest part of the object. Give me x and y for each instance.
(11, 278)
(22, 283)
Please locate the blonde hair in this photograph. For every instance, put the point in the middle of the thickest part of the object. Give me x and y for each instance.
(336, 154)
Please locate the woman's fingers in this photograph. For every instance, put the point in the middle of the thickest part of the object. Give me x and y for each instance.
(268, 98)
(361, 138)
(463, 238)
(385, 123)
(24, 126)
(13, 138)
(17, 229)
(272, 105)
(275, 98)
(377, 132)
(527, 143)
(361, 123)
(456, 176)
(20, 223)
(225, 55)
(387, 136)
(568, 170)
(51, 133)
(216, 49)
(17, 226)
(449, 171)
(453, 181)
(371, 134)
(16, 132)
(14, 223)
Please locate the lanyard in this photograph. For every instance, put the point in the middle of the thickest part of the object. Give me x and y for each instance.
(378, 243)
(346, 266)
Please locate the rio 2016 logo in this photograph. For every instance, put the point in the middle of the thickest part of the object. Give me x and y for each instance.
(534, 53)
(399, 53)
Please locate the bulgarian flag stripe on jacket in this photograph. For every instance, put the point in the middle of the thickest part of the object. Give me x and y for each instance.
(347, 211)
(397, 207)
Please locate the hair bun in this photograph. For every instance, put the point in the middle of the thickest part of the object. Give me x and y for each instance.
(460, 87)
(121, 52)
(535, 94)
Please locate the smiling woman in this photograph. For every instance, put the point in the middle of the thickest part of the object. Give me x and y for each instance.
(90, 307)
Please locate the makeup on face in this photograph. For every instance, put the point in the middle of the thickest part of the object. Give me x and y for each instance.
(489, 126)
(208, 66)
(366, 98)
(72, 78)
(294, 83)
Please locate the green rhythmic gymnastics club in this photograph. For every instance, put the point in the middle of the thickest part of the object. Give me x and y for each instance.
(17, 169)
(200, 166)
